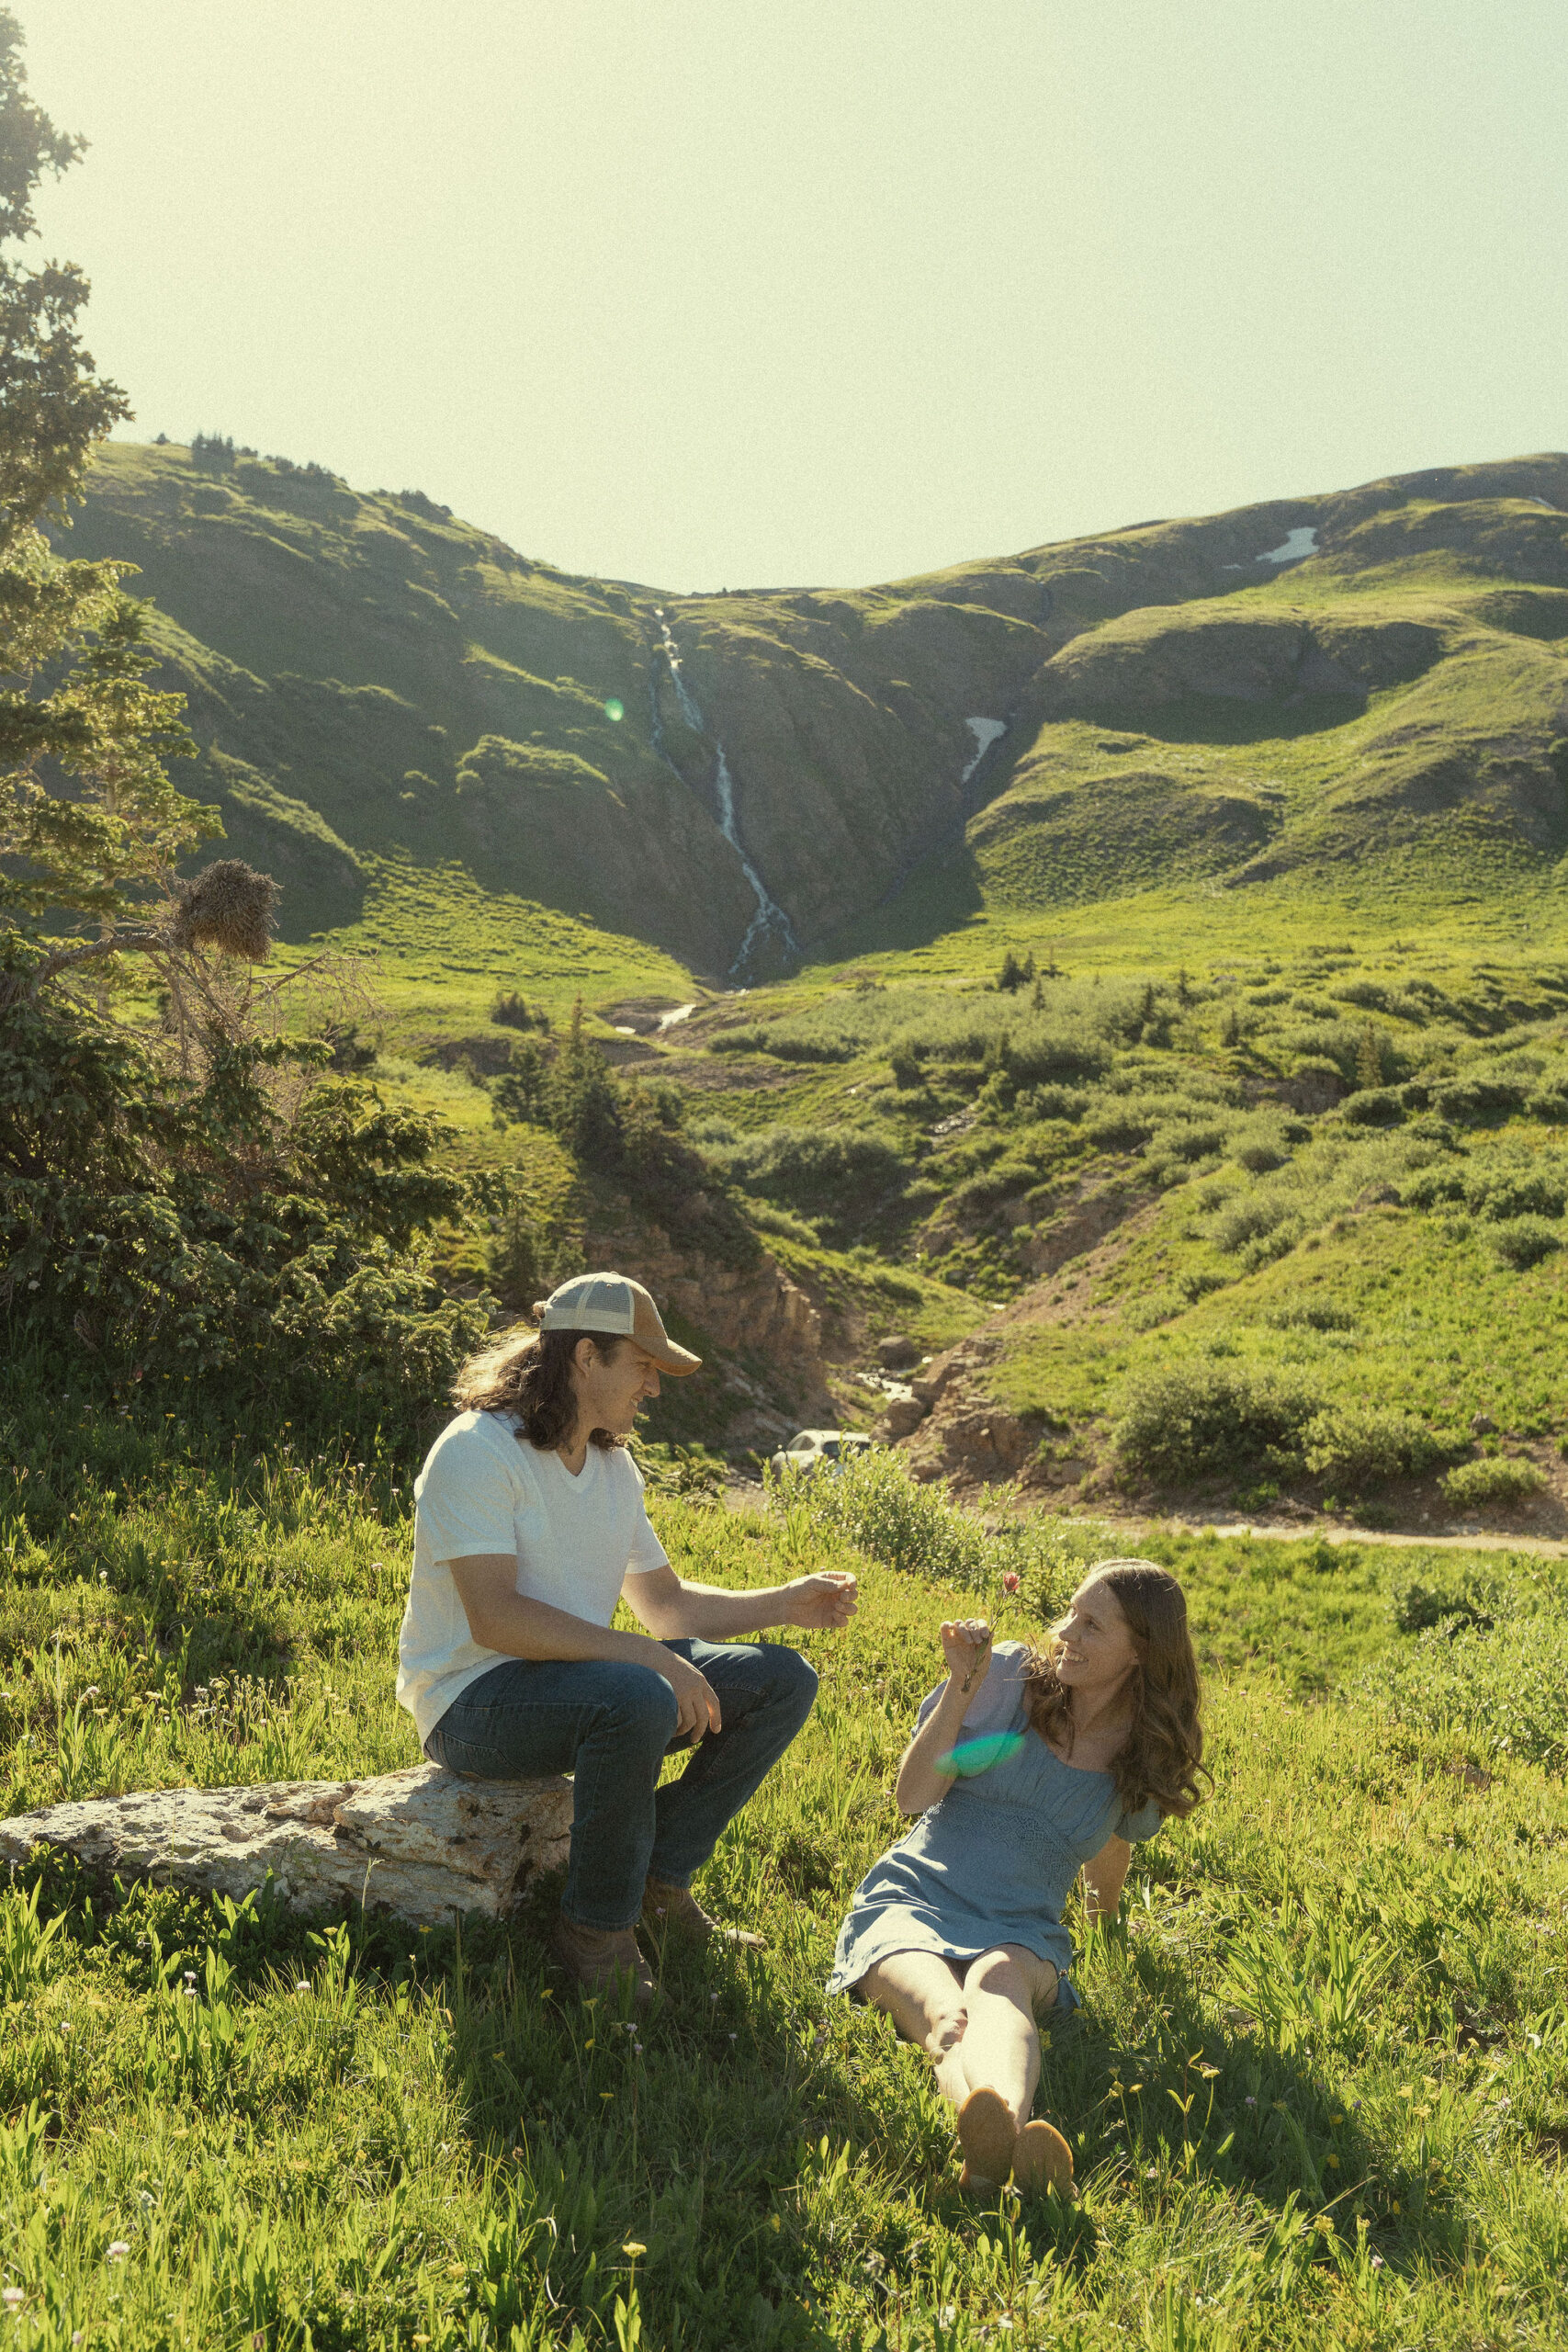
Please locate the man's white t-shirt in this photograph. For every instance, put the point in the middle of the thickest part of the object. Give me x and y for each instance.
(575, 1539)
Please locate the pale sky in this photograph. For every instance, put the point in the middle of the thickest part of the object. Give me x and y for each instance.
(759, 293)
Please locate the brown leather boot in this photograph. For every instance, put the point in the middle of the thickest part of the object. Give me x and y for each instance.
(601, 1958)
(675, 1911)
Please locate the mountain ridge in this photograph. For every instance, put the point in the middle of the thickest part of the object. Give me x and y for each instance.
(1381, 671)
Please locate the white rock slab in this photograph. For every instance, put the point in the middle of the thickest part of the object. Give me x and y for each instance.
(418, 1844)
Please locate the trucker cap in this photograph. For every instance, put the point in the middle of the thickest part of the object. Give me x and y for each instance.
(614, 1303)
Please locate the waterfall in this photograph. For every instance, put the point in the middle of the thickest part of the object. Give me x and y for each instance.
(769, 916)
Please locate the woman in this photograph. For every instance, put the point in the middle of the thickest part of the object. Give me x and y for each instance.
(1025, 1766)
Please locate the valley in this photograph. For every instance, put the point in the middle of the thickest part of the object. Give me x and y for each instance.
(1133, 973)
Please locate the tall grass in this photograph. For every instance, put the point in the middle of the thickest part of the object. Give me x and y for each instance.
(1311, 2093)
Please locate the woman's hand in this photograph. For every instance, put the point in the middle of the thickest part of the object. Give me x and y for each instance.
(966, 1646)
(922, 1781)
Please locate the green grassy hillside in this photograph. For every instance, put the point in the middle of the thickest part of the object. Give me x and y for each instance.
(1274, 787)
(1365, 691)
(1317, 2090)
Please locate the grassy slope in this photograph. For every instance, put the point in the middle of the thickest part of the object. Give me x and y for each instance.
(373, 680)
(435, 951)
(1226, 1247)
(1317, 2090)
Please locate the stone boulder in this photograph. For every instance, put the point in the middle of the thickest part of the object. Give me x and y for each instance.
(897, 1354)
(902, 1419)
(418, 1845)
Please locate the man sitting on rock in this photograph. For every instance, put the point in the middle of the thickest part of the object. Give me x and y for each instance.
(530, 1521)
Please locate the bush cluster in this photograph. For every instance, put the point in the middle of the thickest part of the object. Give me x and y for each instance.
(1492, 1478)
(1502, 1686)
(872, 1502)
(828, 1171)
(1195, 1419)
(202, 1225)
(1211, 1416)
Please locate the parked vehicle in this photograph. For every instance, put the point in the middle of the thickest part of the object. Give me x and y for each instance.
(817, 1449)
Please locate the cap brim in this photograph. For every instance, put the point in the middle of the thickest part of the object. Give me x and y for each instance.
(669, 1358)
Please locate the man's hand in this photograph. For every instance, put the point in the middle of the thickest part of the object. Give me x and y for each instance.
(694, 1696)
(821, 1601)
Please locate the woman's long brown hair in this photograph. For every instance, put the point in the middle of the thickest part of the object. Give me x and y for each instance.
(529, 1372)
(1162, 1756)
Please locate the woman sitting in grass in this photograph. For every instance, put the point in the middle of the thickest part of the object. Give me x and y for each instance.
(1056, 1759)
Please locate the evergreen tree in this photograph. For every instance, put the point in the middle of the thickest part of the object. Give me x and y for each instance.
(1369, 1058)
(90, 825)
(209, 1203)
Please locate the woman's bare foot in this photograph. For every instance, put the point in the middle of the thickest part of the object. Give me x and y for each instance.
(986, 2133)
(1041, 2160)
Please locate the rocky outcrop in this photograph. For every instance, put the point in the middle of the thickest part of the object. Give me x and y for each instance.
(767, 1328)
(420, 1844)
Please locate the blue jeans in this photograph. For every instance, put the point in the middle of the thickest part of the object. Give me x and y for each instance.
(612, 1725)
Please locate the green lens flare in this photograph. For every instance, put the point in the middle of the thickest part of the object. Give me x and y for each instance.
(972, 1756)
(614, 709)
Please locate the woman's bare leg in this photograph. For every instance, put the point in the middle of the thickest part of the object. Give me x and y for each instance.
(922, 1993)
(1000, 2046)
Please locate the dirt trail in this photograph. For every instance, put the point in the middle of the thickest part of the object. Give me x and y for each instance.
(747, 1495)
(1293, 1531)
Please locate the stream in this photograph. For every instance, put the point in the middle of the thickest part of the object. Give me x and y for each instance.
(770, 917)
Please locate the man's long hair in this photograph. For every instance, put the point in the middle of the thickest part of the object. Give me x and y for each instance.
(528, 1374)
(1162, 1756)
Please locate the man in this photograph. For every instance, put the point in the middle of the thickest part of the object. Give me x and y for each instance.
(530, 1521)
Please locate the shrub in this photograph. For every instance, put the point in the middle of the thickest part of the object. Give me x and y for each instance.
(872, 1502)
(1432, 1186)
(1422, 1597)
(1052, 1102)
(1365, 1445)
(1523, 1241)
(1310, 1315)
(510, 1012)
(829, 1169)
(1039, 1052)
(1190, 1420)
(1480, 1096)
(1373, 1106)
(1495, 1478)
(196, 1225)
(993, 1185)
(1258, 1154)
(1255, 1215)
(1550, 1103)
(1504, 1686)
(1539, 1191)
(783, 1224)
(1120, 1126)
(1188, 1140)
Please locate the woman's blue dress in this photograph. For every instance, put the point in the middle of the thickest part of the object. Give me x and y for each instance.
(993, 1860)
